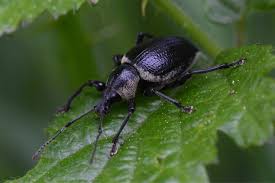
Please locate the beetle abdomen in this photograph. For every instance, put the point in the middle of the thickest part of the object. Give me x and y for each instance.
(161, 59)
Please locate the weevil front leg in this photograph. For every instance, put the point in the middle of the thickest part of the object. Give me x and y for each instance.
(100, 130)
(60, 131)
(186, 109)
(131, 110)
(100, 86)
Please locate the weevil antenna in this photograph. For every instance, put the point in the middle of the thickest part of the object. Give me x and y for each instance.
(97, 138)
(42, 147)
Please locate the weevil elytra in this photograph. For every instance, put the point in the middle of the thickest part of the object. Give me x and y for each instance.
(151, 66)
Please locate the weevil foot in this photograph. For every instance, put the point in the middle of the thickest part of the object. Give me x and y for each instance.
(35, 156)
(113, 150)
(187, 109)
(63, 109)
(239, 62)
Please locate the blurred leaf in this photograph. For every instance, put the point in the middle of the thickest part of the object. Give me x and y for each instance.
(230, 11)
(160, 143)
(261, 5)
(14, 12)
(193, 21)
(191, 29)
(224, 11)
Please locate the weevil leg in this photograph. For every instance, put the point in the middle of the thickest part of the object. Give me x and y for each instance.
(186, 109)
(131, 110)
(38, 152)
(218, 67)
(141, 36)
(117, 59)
(185, 76)
(100, 86)
(100, 130)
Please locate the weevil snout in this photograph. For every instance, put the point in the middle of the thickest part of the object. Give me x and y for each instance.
(109, 97)
(102, 108)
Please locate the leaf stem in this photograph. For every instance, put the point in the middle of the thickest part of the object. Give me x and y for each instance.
(192, 31)
(240, 29)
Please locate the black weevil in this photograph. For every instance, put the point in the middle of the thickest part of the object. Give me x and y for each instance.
(152, 65)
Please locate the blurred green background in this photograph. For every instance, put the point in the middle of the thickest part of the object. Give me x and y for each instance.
(41, 64)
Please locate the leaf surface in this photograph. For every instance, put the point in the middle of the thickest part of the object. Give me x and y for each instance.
(161, 144)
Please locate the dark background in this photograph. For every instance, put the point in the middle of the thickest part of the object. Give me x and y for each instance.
(41, 64)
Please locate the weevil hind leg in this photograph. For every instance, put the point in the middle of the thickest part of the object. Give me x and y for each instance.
(100, 86)
(187, 75)
(218, 67)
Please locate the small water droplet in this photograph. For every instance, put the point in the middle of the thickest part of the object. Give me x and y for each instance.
(55, 16)
(232, 92)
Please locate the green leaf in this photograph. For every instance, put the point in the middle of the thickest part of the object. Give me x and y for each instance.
(15, 12)
(162, 144)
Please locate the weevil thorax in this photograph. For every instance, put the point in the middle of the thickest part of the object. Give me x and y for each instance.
(109, 97)
(124, 81)
(122, 84)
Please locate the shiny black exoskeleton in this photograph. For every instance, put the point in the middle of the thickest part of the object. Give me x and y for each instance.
(153, 64)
